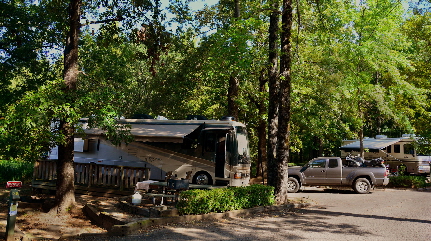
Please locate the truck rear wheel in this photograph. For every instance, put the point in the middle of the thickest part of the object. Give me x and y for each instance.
(292, 185)
(362, 186)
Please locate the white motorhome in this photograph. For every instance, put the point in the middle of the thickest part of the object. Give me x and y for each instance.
(206, 151)
(395, 151)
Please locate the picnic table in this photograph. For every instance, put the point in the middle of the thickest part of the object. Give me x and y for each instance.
(162, 191)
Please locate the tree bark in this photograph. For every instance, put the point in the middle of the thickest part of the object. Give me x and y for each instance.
(65, 189)
(233, 90)
(70, 71)
(283, 137)
(261, 131)
(273, 84)
(361, 142)
(236, 13)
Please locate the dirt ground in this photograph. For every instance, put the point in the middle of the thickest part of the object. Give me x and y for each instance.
(36, 224)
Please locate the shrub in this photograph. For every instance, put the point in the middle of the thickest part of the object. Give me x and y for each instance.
(408, 181)
(224, 199)
(15, 170)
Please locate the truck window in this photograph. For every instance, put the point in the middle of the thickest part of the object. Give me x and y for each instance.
(397, 149)
(333, 163)
(318, 163)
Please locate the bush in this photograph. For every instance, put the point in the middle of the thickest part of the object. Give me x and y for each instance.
(14, 170)
(224, 199)
(408, 181)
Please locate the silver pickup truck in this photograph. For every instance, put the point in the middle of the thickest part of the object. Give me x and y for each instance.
(333, 171)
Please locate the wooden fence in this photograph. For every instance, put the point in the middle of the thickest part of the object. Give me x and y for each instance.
(93, 175)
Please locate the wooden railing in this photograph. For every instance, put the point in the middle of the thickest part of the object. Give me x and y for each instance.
(91, 174)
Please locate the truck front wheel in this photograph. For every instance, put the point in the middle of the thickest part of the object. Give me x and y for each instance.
(362, 186)
(292, 185)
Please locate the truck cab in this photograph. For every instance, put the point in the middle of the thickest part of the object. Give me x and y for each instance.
(333, 171)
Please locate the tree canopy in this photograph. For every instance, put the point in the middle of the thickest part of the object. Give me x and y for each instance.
(357, 69)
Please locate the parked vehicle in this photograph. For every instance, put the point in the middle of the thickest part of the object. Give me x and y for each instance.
(213, 152)
(334, 171)
(398, 153)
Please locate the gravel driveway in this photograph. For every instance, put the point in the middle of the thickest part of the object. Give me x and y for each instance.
(334, 215)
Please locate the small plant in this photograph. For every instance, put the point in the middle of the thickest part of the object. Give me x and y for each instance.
(402, 170)
(408, 181)
(15, 170)
(225, 199)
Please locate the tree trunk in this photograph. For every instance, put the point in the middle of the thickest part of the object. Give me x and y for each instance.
(361, 142)
(283, 137)
(236, 13)
(65, 193)
(65, 189)
(273, 84)
(261, 132)
(233, 89)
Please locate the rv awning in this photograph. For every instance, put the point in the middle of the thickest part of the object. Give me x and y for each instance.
(372, 144)
(156, 133)
(152, 130)
(178, 131)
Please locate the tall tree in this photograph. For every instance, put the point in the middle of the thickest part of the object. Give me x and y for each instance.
(279, 112)
(273, 85)
(232, 94)
(48, 116)
(233, 79)
(283, 135)
(65, 190)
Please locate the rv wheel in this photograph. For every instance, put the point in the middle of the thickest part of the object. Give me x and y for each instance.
(202, 178)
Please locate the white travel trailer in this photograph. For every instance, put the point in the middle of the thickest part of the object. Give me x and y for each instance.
(206, 151)
(395, 151)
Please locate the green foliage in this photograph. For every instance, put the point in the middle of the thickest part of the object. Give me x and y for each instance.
(354, 65)
(27, 29)
(408, 181)
(26, 130)
(15, 170)
(225, 199)
(31, 125)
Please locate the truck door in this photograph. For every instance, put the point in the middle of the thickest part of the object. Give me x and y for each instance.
(333, 172)
(316, 171)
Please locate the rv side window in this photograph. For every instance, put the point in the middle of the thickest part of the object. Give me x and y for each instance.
(389, 149)
(397, 149)
(189, 143)
(408, 149)
(210, 141)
